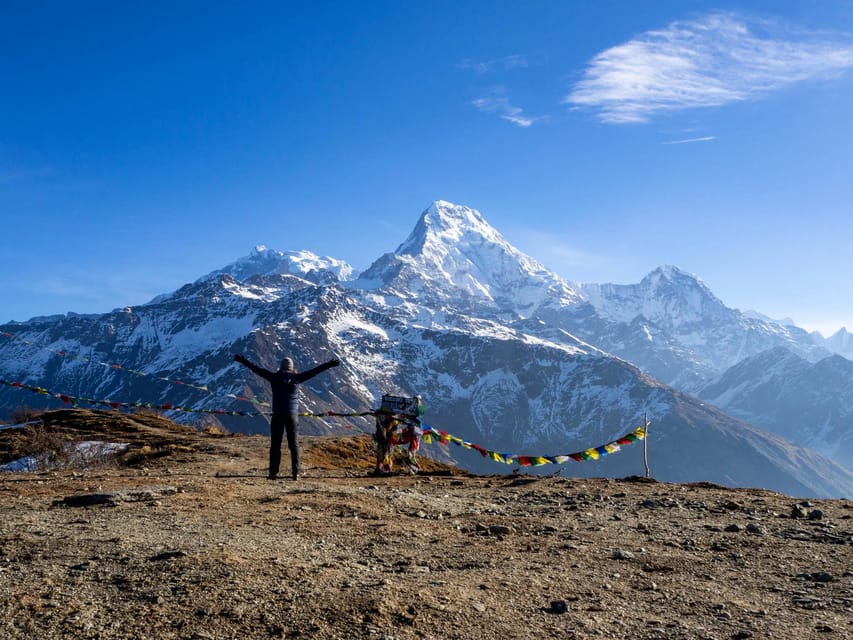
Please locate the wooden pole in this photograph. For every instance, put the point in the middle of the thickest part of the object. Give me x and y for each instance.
(645, 444)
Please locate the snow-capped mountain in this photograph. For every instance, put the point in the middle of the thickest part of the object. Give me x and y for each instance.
(455, 262)
(672, 326)
(841, 342)
(808, 403)
(269, 262)
(498, 346)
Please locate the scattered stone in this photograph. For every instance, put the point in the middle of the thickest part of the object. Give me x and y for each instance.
(558, 606)
(808, 602)
(344, 558)
(799, 512)
(500, 530)
(167, 555)
(86, 500)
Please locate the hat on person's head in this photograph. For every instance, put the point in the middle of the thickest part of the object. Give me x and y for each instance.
(286, 364)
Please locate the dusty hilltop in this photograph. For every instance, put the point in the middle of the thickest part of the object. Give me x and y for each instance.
(182, 536)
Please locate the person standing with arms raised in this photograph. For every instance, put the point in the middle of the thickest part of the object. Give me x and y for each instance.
(285, 415)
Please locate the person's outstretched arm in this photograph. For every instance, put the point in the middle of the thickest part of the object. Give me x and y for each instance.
(307, 375)
(264, 373)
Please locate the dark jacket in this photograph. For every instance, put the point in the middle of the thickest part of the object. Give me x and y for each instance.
(283, 384)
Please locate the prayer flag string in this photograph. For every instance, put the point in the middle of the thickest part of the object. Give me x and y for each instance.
(429, 433)
(118, 367)
(593, 453)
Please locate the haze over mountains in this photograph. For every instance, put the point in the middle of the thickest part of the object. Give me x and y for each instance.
(504, 352)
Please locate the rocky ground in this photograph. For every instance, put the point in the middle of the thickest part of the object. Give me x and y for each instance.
(183, 537)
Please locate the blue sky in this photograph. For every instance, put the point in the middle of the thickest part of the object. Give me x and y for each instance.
(143, 145)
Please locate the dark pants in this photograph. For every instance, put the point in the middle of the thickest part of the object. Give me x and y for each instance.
(281, 423)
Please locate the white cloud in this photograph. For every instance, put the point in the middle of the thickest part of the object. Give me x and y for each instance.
(497, 102)
(690, 140)
(708, 62)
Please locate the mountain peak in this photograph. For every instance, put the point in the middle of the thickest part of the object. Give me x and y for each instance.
(454, 255)
(670, 273)
(262, 261)
(667, 296)
(447, 224)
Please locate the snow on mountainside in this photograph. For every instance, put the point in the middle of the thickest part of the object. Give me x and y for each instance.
(810, 404)
(841, 342)
(672, 325)
(668, 297)
(454, 259)
(259, 271)
(265, 262)
(503, 351)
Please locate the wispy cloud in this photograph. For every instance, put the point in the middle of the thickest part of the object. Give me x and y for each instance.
(506, 63)
(691, 140)
(498, 103)
(708, 62)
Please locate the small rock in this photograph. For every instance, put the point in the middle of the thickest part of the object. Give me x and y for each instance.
(756, 529)
(799, 511)
(815, 514)
(500, 530)
(559, 606)
(478, 606)
(621, 554)
(167, 555)
(734, 528)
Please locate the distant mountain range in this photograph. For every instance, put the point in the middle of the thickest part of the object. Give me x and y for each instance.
(503, 351)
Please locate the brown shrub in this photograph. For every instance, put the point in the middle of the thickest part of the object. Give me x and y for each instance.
(25, 414)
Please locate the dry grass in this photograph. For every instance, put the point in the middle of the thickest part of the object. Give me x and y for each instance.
(25, 414)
